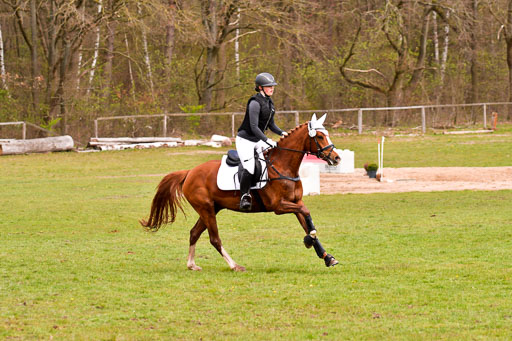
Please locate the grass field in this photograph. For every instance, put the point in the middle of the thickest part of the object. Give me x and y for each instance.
(75, 264)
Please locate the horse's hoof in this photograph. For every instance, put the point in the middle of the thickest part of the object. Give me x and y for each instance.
(239, 268)
(194, 268)
(330, 261)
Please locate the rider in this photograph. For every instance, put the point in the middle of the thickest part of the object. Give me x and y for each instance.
(259, 115)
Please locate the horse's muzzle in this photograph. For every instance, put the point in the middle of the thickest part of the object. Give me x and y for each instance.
(333, 162)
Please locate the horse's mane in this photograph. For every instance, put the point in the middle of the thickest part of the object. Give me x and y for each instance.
(291, 131)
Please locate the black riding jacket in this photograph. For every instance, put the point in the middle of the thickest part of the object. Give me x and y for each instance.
(259, 116)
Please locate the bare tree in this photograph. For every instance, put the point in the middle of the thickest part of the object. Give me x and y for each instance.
(170, 29)
(402, 37)
(147, 59)
(19, 8)
(96, 50)
(473, 51)
(109, 58)
(130, 71)
(505, 19)
(216, 17)
(3, 74)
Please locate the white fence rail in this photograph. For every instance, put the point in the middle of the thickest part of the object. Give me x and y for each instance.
(361, 115)
(165, 117)
(24, 128)
(420, 116)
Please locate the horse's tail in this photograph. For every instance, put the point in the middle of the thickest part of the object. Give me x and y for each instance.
(167, 199)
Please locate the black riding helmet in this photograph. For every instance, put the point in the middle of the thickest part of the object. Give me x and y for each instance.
(264, 79)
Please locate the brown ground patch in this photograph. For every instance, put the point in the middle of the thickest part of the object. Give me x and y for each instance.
(425, 179)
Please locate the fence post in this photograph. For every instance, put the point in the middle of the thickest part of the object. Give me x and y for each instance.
(423, 120)
(96, 128)
(485, 116)
(23, 131)
(297, 119)
(360, 121)
(165, 126)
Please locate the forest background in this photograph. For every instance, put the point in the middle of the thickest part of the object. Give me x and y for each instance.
(64, 63)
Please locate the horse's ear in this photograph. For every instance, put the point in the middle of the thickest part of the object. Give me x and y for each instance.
(313, 118)
(322, 120)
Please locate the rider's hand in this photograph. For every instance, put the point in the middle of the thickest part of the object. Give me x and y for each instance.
(284, 133)
(271, 143)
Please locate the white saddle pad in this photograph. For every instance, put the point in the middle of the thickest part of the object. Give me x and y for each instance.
(227, 177)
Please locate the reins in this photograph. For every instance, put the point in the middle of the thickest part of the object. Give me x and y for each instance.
(319, 154)
(269, 163)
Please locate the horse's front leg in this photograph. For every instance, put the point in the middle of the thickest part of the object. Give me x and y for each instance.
(311, 239)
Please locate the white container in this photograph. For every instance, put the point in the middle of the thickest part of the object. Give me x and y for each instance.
(310, 176)
(345, 166)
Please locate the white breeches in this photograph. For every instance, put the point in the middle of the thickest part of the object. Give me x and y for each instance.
(245, 149)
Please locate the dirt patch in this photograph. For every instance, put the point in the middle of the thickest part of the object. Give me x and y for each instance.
(425, 179)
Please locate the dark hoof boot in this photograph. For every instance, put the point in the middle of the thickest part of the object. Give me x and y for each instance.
(308, 241)
(330, 261)
(246, 202)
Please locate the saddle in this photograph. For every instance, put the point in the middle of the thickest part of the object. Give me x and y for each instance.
(233, 160)
(230, 170)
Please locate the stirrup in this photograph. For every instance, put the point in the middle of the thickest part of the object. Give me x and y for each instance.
(246, 202)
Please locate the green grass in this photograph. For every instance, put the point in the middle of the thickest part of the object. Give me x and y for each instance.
(75, 264)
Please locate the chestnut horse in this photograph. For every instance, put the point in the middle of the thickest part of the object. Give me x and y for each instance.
(282, 194)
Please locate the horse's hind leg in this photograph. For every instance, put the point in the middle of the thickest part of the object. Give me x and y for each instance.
(211, 223)
(195, 233)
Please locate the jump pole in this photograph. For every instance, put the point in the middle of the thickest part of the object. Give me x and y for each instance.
(380, 156)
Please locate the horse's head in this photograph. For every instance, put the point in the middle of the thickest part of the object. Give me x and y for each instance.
(320, 144)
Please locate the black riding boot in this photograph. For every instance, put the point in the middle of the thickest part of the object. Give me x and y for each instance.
(245, 186)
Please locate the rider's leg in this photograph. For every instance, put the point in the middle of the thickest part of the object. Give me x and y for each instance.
(245, 187)
(245, 149)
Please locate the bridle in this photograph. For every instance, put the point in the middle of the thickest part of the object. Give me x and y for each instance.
(320, 153)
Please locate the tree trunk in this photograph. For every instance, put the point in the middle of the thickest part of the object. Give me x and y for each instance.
(395, 95)
(61, 90)
(209, 18)
(508, 39)
(35, 66)
(42, 145)
(509, 65)
(209, 76)
(473, 60)
(237, 46)
(130, 71)
(169, 36)
(435, 38)
(50, 77)
(109, 56)
(80, 53)
(444, 55)
(3, 74)
(96, 51)
(147, 60)
(221, 92)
